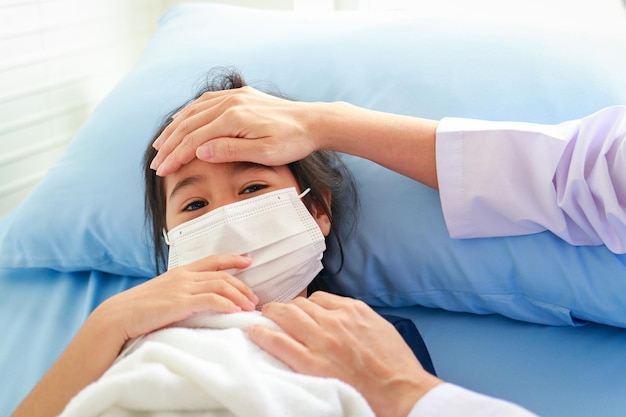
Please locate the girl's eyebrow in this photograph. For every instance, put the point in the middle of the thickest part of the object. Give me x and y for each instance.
(240, 167)
(185, 182)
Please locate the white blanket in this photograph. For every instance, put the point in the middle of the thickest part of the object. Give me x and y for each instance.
(211, 368)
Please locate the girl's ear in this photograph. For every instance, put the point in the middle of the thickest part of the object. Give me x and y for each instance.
(320, 216)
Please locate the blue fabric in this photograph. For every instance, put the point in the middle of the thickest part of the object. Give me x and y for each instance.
(413, 339)
(554, 371)
(87, 214)
(40, 311)
(404, 255)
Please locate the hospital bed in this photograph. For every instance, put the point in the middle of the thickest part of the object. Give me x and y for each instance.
(528, 319)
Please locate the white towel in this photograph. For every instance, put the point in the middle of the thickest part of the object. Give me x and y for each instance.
(209, 367)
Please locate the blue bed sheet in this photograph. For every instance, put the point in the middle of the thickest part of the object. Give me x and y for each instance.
(554, 371)
(40, 311)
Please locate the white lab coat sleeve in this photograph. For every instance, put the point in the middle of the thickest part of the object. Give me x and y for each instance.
(448, 400)
(511, 178)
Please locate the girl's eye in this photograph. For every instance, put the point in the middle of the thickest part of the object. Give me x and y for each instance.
(253, 188)
(196, 205)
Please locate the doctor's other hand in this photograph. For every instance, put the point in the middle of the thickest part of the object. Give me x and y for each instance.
(277, 131)
(332, 336)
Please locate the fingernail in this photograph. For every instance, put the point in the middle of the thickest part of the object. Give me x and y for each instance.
(160, 170)
(205, 152)
(157, 143)
(264, 307)
(252, 329)
(154, 164)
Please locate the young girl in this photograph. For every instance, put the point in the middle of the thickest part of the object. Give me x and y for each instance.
(191, 202)
(274, 221)
(330, 196)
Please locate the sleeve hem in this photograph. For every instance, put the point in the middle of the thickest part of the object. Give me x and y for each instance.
(449, 157)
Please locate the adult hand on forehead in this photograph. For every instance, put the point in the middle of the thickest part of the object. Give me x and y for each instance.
(213, 126)
(331, 336)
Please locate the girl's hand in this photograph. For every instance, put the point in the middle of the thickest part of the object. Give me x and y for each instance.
(178, 294)
(211, 128)
(168, 298)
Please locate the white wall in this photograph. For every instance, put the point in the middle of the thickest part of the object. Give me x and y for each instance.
(58, 58)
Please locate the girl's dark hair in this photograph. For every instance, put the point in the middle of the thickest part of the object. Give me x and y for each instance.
(322, 171)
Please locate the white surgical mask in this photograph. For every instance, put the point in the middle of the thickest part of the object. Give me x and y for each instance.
(275, 229)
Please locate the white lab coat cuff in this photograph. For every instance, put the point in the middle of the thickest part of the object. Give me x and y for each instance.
(448, 400)
(449, 154)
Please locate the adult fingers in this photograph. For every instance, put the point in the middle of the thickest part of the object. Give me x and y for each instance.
(234, 134)
(213, 131)
(330, 301)
(335, 313)
(286, 349)
(196, 124)
(180, 139)
(344, 311)
(322, 349)
(265, 151)
(180, 150)
(281, 346)
(204, 102)
(294, 320)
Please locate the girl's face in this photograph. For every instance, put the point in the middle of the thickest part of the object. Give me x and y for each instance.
(199, 187)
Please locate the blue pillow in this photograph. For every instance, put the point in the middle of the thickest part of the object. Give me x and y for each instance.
(87, 214)
(401, 255)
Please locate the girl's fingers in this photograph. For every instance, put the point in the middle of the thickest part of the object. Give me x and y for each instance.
(215, 263)
(217, 303)
(219, 263)
(228, 288)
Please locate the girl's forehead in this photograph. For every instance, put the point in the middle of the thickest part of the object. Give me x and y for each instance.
(198, 171)
(197, 166)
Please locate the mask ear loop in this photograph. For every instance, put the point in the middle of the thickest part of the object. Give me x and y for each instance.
(305, 192)
(167, 240)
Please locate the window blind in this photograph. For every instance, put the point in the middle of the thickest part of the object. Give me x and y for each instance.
(58, 58)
